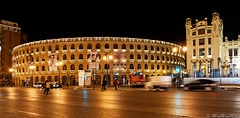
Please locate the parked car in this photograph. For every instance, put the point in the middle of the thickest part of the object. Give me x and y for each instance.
(161, 82)
(38, 85)
(204, 84)
(55, 85)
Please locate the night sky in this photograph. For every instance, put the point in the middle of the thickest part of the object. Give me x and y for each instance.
(159, 20)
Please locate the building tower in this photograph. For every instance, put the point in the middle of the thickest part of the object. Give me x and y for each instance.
(10, 37)
(204, 46)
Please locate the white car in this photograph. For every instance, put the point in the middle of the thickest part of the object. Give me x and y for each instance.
(38, 85)
(162, 82)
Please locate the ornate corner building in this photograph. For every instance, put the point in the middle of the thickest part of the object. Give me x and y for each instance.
(152, 57)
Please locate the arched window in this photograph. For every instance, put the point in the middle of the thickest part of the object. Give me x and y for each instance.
(81, 56)
(43, 68)
(152, 57)
(72, 57)
(152, 48)
(49, 48)
(138, 56)
(72, 67)
(163, 67)
(89, 46)
(167, 49)
(72, 47)
(37, 50)
(64, 47)
(43, 58)
(131, 46)
(167, 58)
(163, 58)
(57, 47)
(64, 67)
(139, 66)
(131, 56)
(123, 46)
(145, 47)
(106, 66)
(80, 67)
(146, 57)
(43, 49)
(115, 46)
(158, 49)
(163, 49)
(158, 58)
(64, 57)
(37, 69)
(152, 66)
(98, 46)
(139, 47)
(145, 66)
(80, 46)
(131, 66)
(158, 67)
(106, 46)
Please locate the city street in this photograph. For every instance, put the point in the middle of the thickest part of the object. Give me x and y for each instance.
(125, 103)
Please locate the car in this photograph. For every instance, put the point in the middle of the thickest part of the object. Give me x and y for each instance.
(38, 85)
(201, 84)
(55, 85)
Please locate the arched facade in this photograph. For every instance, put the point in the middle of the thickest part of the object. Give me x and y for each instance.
(142, 55)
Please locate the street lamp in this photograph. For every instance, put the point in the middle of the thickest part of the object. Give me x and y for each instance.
(59, 64)
(11, 70)
(107, 57)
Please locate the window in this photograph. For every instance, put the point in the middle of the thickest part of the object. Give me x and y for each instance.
(80, 46)
(146, 57)
(131, 56)
(43, 58)
(98, 46)
(235, 52)
(209, 51)
(81, 56)
(139, 66)
(64, 67)
(106, 46)
(139, 47)
(49, 48)
(194, 52)
(201, 31)
(106, 66)
(72, 47)
(163, 58)
(194, 42)
(57, 47)
(158, 67)
(194, 33)
(158, 58)
(64, 47)
(163, 67)
(72, 57)
(89, 46)
(152, 48)
(123, 46)
(72, 67)
(43, 68)
(209, 31)
(152, 66)
(145, 66)
(145, 47)
(37, 69)
(201, 51)
(138, 56)
(163, 49)
(43, 49)
(230, 52)
(152, 57)
(64, 57)
(209, 41)
(131, 46)
(115, 46)
(80, 67)
(201, 41)
(158, 49)
(131, 66)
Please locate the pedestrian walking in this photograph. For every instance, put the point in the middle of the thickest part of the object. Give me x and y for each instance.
(104, 84)
(47, 87)
(173, 81)
(116, 84)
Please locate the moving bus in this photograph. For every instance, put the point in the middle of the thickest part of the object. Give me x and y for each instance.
(137, 79)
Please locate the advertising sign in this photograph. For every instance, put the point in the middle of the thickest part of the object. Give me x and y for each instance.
(81, 77)
(93, 59)
(119, 58)
(52, 61)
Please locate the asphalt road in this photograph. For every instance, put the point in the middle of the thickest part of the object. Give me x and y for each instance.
(126, 103)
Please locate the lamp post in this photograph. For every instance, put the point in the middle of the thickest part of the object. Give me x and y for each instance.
(107, 57)
(32, 68)
(184, 49)
(11, 70)
(59, 64)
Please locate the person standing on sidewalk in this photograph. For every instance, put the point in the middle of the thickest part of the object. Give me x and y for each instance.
(116, 84)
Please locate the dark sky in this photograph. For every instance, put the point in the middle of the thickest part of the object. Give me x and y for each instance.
(160, 20)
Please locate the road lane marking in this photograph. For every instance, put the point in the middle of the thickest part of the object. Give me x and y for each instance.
(35, 114)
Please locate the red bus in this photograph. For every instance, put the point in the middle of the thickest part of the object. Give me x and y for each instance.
(137, 78)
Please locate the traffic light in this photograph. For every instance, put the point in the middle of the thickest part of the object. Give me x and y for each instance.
(177, 70)
(85, 76)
